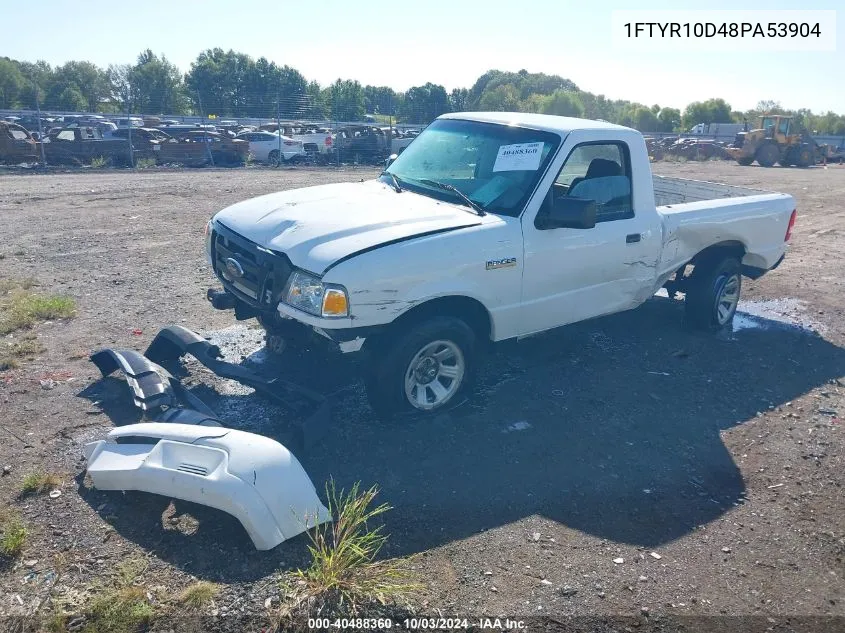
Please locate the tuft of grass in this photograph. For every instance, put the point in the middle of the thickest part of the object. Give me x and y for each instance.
(122, 610)
(199, 594)
(40, 482)
(344, 576)
(10, 285)
(22, 309)
(98, 162)
(145, 163)
(13, 351)
(14, 535)
(122, 606)
(129, 570)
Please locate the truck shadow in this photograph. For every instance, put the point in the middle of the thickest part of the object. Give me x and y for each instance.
(610, 427)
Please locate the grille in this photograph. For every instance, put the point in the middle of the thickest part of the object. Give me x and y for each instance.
(265, 273)
(193, 469)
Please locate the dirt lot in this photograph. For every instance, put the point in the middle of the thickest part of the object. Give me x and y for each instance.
(610, 439)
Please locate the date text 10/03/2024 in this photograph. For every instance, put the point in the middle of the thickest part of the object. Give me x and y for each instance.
(417, 624)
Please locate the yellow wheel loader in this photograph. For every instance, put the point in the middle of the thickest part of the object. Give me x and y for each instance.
(773, 141)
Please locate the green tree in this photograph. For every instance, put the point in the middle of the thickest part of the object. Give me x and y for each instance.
(215, 82)
(423, 104)
(596, 106)
(525, 84)
(71, 99)
(121, 85)
(75, 79)
(379, 100)
(670, 119)
(710, 111)
(316, 105)
(37, 76)
(502, 98)
(346, 100)
(156, 85)
(12, 83)
(459, 100)
(563, 103)
(645, 120)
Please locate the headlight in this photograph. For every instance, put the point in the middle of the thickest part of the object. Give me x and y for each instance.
(309, 294)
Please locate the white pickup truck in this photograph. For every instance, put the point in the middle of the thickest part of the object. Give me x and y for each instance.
(489, 226)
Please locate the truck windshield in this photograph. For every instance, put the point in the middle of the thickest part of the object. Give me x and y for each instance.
(496, 166)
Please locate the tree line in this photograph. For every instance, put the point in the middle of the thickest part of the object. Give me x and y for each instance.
(232, 84)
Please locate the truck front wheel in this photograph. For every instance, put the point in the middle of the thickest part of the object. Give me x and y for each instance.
(424, 369)
(712, 293)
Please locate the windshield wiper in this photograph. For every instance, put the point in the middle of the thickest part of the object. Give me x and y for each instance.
(394, 180)
(445, 185)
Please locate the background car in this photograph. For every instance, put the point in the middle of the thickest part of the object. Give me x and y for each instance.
(267, 147)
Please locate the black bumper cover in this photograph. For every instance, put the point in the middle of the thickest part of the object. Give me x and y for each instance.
(165, 399)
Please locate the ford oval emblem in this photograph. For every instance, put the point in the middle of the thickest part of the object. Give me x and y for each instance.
(234, 268)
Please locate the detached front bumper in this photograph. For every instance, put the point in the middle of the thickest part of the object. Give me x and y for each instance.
(253, 478)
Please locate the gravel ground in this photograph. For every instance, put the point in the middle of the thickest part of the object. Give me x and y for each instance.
(618, 466)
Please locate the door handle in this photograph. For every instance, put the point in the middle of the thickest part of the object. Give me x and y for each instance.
(632, 237)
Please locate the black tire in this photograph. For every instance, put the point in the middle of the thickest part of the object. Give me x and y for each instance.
(273, 158)
(713, 279)
(390, 363)
(804, 155)
(768, 155)
(745, 160)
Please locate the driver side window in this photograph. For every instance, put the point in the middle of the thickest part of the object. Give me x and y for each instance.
(600, 172)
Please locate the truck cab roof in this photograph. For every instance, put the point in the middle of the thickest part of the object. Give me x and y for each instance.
(548, 122)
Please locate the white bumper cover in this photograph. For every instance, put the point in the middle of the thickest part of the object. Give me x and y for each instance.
(251, 477)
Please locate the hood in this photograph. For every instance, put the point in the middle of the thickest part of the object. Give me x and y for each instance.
(317, 226)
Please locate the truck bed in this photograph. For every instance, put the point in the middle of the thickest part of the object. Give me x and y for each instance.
(697, 214)
(671, 191)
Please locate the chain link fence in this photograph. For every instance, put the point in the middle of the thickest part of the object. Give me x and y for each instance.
(56, 138)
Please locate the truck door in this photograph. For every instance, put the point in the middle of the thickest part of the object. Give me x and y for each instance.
(574, 274)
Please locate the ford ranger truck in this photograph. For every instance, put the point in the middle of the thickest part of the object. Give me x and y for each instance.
(489, 226)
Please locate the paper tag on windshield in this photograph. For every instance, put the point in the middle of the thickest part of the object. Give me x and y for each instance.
(518, 157)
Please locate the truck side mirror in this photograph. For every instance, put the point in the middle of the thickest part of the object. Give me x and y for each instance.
(568, 213)
(389, 160)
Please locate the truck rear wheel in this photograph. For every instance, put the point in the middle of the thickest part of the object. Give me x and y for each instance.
(745, 160)
(712, 293)
(423, 370)
(768, 155)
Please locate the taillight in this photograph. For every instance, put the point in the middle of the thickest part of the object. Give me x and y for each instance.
(788, 235)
